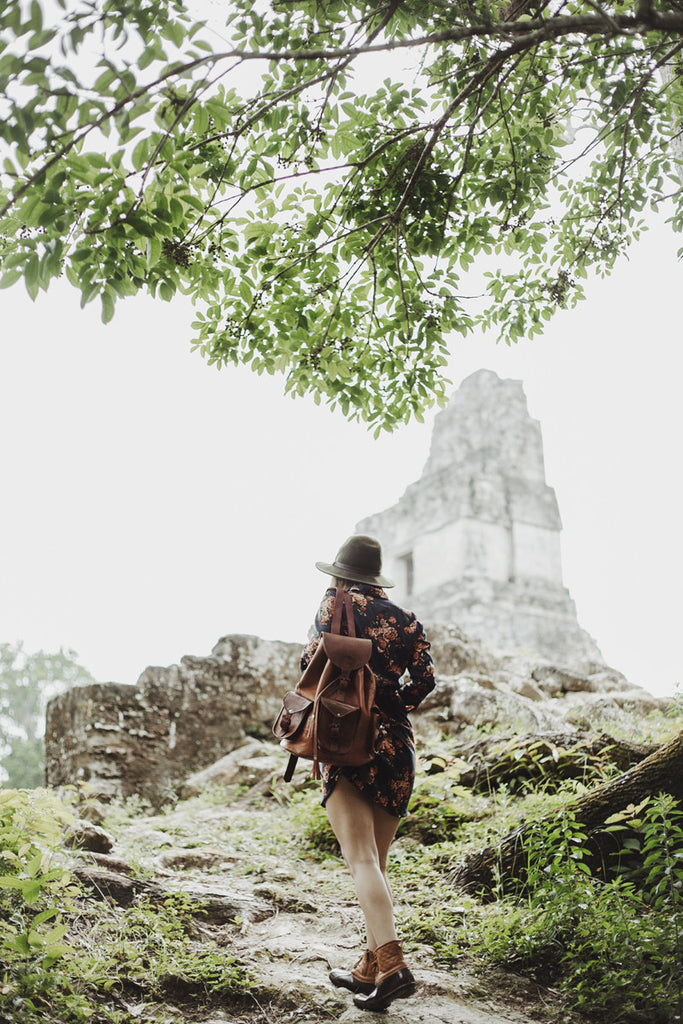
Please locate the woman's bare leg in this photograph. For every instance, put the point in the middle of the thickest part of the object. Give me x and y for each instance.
(385, 826)
(364, 833)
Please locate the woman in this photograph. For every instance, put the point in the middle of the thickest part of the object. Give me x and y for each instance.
(365, 804)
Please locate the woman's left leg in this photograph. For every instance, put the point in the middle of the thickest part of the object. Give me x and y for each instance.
(384, 826)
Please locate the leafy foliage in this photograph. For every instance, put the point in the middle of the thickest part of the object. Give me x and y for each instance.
(33, 884)
(615, 947)
(27, 681)
(151, 948)
(334, 185)
(523, 762)
(61, 959)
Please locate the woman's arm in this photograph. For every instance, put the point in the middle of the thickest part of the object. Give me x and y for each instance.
(421, 669)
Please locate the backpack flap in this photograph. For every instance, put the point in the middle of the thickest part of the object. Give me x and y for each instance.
(347, 652)
(293, 714)
(336, 727)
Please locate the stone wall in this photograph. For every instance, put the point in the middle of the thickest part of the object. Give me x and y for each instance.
(146, 739)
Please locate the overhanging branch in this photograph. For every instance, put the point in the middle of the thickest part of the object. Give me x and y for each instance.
(602, 23)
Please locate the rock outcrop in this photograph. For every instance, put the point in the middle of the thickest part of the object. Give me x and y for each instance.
(476, 540)
(513, 693)
(146, 739)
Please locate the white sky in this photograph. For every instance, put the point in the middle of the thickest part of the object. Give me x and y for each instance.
(152, 504)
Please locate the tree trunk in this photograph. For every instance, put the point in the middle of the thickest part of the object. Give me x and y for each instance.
(661, 772)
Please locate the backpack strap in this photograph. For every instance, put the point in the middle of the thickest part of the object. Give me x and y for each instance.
(346, 604)
(291, 765)
(350, 621)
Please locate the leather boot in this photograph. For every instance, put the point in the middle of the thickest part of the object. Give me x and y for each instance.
(394, 980)
(361, 977)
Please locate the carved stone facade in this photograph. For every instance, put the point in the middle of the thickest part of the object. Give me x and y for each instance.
(476, 540)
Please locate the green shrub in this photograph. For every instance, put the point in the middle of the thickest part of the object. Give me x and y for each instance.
(35, 892)
(149, 947)
(615, 949)
(429, 911)
(62, 954)
(435, 817)
(32, 879)
(621, 962)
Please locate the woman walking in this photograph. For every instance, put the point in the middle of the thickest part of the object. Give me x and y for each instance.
(365, 804)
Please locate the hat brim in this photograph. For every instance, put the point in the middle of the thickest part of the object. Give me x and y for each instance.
(355, 577)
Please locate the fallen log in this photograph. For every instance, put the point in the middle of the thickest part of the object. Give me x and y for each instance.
(660, 772)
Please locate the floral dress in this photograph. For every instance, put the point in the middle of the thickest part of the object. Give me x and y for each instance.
(398, 644)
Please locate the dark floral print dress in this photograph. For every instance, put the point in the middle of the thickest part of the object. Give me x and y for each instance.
(398, 644)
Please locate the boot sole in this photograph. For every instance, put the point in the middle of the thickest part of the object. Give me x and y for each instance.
(404, 992)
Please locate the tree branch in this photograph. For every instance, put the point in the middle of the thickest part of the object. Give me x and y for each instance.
(528, 34)
(544, 28)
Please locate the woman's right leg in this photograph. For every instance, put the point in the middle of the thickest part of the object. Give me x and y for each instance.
(364, 839)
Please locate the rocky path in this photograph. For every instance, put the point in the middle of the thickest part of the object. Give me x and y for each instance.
(289, 917)
(294, 953)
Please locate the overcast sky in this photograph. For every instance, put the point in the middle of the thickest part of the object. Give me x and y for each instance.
(152, 504)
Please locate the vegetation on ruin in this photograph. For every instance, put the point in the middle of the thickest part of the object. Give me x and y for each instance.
(68, 960)
(340, 188)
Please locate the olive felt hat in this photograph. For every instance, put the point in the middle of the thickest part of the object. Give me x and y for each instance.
(359, 559)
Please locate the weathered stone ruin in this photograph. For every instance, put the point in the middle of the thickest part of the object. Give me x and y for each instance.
(476, 540)
(173, 733)
(474, 546)
(146, 739)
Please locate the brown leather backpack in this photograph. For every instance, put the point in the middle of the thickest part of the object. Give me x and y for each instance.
(330, 717)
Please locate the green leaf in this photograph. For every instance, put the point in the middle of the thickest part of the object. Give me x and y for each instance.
(32, 276)
(140, 153)
(36, 16)
(153, 251)
(108, 307)
(11, 277)
(31, 890)
(142, 227)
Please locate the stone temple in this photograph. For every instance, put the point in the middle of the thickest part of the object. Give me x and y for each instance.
(475, 542)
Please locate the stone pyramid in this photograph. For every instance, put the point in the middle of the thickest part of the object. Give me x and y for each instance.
(475, 542)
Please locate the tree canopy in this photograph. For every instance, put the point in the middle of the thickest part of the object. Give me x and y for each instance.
(27, 682)
(339, 186)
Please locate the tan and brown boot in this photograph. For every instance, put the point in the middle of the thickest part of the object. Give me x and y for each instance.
(361, 977)
(394, 980)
